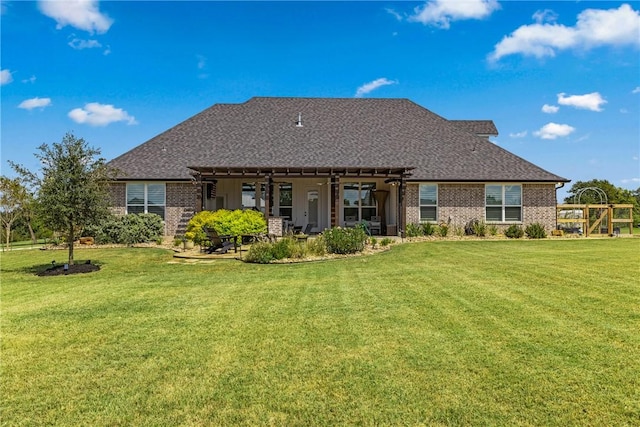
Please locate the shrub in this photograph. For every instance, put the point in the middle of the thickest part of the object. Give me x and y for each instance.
(128, 229)
(480, 228)
(224, 221)
(492, 229)
(373, 241)
(345, 240)
(428, 229)
(535, 231)
(413, 230)
(385, 241)
(443, 230)
(317, 246)
(514, 232)
(260, 253)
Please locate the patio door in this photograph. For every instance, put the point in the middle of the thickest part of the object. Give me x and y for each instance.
(312, 213)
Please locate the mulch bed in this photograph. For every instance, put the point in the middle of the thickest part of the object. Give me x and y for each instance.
(58, 270)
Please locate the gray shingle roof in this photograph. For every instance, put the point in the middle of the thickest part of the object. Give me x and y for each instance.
(477, 127)
(335, 132)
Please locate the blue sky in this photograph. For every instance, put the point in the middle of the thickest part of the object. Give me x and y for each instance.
(561, 80)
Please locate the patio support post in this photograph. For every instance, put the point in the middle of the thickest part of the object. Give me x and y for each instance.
(335, 201)
(268, 189)
(402, 209)
(199, 190)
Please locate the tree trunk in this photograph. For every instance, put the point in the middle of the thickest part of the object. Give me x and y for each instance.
(7, 236)
(31, 232)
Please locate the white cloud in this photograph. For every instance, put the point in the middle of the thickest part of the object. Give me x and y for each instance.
(636, 90)
(394, 14)
(518, 134)
(590, 101)
(5, 77)
(96, 114)
(594, 27)
(79, 44)
(440, 13)
(546, 15)
(30, 104)
(550, 109)
(630, 180)
(31, 79)
(371, 86)
(82, 14)
(553, 131)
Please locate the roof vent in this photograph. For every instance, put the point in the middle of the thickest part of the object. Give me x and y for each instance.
(299, 121)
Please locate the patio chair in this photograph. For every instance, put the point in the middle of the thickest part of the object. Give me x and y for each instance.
(218, 244)
(350, 221)
(375, 226)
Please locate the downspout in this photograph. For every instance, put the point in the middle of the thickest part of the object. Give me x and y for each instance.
(558, 186)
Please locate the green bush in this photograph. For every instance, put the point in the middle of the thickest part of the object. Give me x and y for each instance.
(317, 246)
(493, 230)
(224, 221)
(428, 229)
(373, 241)
(535, 231)
(514, 232)
(345, 240)
(385, 241)
(128, 229)
(480, 228)
(260, 253)
(413, 230)
(443, 230)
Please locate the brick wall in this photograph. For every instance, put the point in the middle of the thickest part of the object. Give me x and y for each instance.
(539, 205)
(118, 198)
(180, 207)
(464, 202)
(460, 203)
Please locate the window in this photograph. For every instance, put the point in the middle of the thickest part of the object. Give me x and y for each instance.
(146, 198)
(358, 200)
(503, 203)
(285, 200)
(249, 199)
(428, 202)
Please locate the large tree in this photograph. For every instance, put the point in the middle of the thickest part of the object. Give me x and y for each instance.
(72, 187)
(13, 197)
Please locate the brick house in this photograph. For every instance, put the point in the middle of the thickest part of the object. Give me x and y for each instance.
(328, 162)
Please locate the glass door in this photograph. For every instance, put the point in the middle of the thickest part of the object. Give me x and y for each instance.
(313, 208)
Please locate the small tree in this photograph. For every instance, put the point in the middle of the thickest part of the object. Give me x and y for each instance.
(13, 197)
(72, 190)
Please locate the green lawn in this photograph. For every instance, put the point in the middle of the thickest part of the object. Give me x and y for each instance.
(436, 333)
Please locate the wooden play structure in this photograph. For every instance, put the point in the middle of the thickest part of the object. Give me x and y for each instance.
(591, 220)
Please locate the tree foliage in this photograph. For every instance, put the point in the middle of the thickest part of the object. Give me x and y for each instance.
(71, 187)
(13, 199)
(615, 195)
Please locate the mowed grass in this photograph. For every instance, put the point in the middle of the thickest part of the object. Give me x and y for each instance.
(436, 333)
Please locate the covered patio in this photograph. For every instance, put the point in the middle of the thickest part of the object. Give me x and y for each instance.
(311, 198)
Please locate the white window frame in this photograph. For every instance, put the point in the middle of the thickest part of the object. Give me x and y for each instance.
(427, 205)
(145, 205)
(503, 203)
